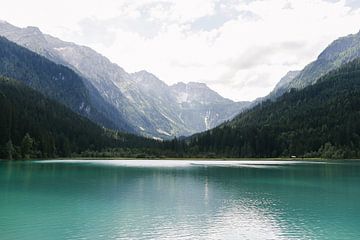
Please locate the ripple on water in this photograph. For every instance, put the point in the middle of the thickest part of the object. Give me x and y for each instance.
(184, 200)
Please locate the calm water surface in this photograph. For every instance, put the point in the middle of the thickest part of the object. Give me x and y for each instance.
(179, 200)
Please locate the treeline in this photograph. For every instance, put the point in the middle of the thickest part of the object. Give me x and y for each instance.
(319, 121)
(59, 83)
(33, 126)
(54, 81)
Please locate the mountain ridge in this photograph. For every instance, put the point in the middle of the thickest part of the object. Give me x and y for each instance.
(320, 120)
(338, 52)
(151, 113)
(53, 80)
(51, 128)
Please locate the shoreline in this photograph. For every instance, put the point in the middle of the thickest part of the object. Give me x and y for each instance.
(180, 159)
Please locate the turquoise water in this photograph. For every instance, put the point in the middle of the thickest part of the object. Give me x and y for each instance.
(179, 200)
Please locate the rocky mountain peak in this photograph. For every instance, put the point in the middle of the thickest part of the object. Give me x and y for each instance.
(146, 79)
(340, 45)
(339, 52)
(33, 30)
(196, 93)
(140, 98)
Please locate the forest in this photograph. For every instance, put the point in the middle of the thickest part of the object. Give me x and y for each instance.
(34, 126)
(321, 120)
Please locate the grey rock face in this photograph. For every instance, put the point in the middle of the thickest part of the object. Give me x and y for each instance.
(202, 107)
(339, 52)
(144, 102)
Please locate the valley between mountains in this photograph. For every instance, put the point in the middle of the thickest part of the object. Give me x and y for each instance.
(59, 99)
(138, 102)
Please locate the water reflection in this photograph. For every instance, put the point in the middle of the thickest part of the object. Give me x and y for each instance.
(111, 201)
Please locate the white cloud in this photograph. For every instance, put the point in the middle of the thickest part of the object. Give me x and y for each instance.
(241, 48)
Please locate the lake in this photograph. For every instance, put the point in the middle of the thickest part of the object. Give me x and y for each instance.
(141, 199)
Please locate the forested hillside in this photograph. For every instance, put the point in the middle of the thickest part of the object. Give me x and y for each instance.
(38, 118)
(321, 120)
(148, 105)
(341, 51)
(33, 126)
(56, 82)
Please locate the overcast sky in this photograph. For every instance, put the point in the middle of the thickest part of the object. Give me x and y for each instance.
(240, 48)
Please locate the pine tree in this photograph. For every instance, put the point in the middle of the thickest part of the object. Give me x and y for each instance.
(27, 146)
(10, 150)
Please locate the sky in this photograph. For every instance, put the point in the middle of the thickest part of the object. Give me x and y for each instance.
(240, 48)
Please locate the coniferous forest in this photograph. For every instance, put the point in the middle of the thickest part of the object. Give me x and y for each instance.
(318, 121)
(33, 126)
(164, 119)
(321, 120)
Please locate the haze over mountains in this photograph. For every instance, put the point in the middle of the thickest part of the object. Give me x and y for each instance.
(339, 52)
(320, 120)
(56, 82)
(138, 102)
(313, 112)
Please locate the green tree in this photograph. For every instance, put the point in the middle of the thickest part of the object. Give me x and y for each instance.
(10, 150)
(27, 146)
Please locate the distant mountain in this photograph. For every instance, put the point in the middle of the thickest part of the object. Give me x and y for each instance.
(54, 130)
(154, 99)
(144, 101)
(342, 50)
(321, 120)
(203, 108)
(197, 94)
(283, 85)
(55, 81)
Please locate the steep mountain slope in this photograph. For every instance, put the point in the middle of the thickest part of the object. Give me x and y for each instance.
(203, 108)
(55, 81)
(342, 50)
(319, 120)
(157, 104)
(54, 130)
(196, 93)
(141, 98)
(283, 85)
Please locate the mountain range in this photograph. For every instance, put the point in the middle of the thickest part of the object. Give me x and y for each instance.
(55, 81)
(34, 126)
(339, 52)
(312, 112)
(320, 120)
(79, 97)
(135, 102)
